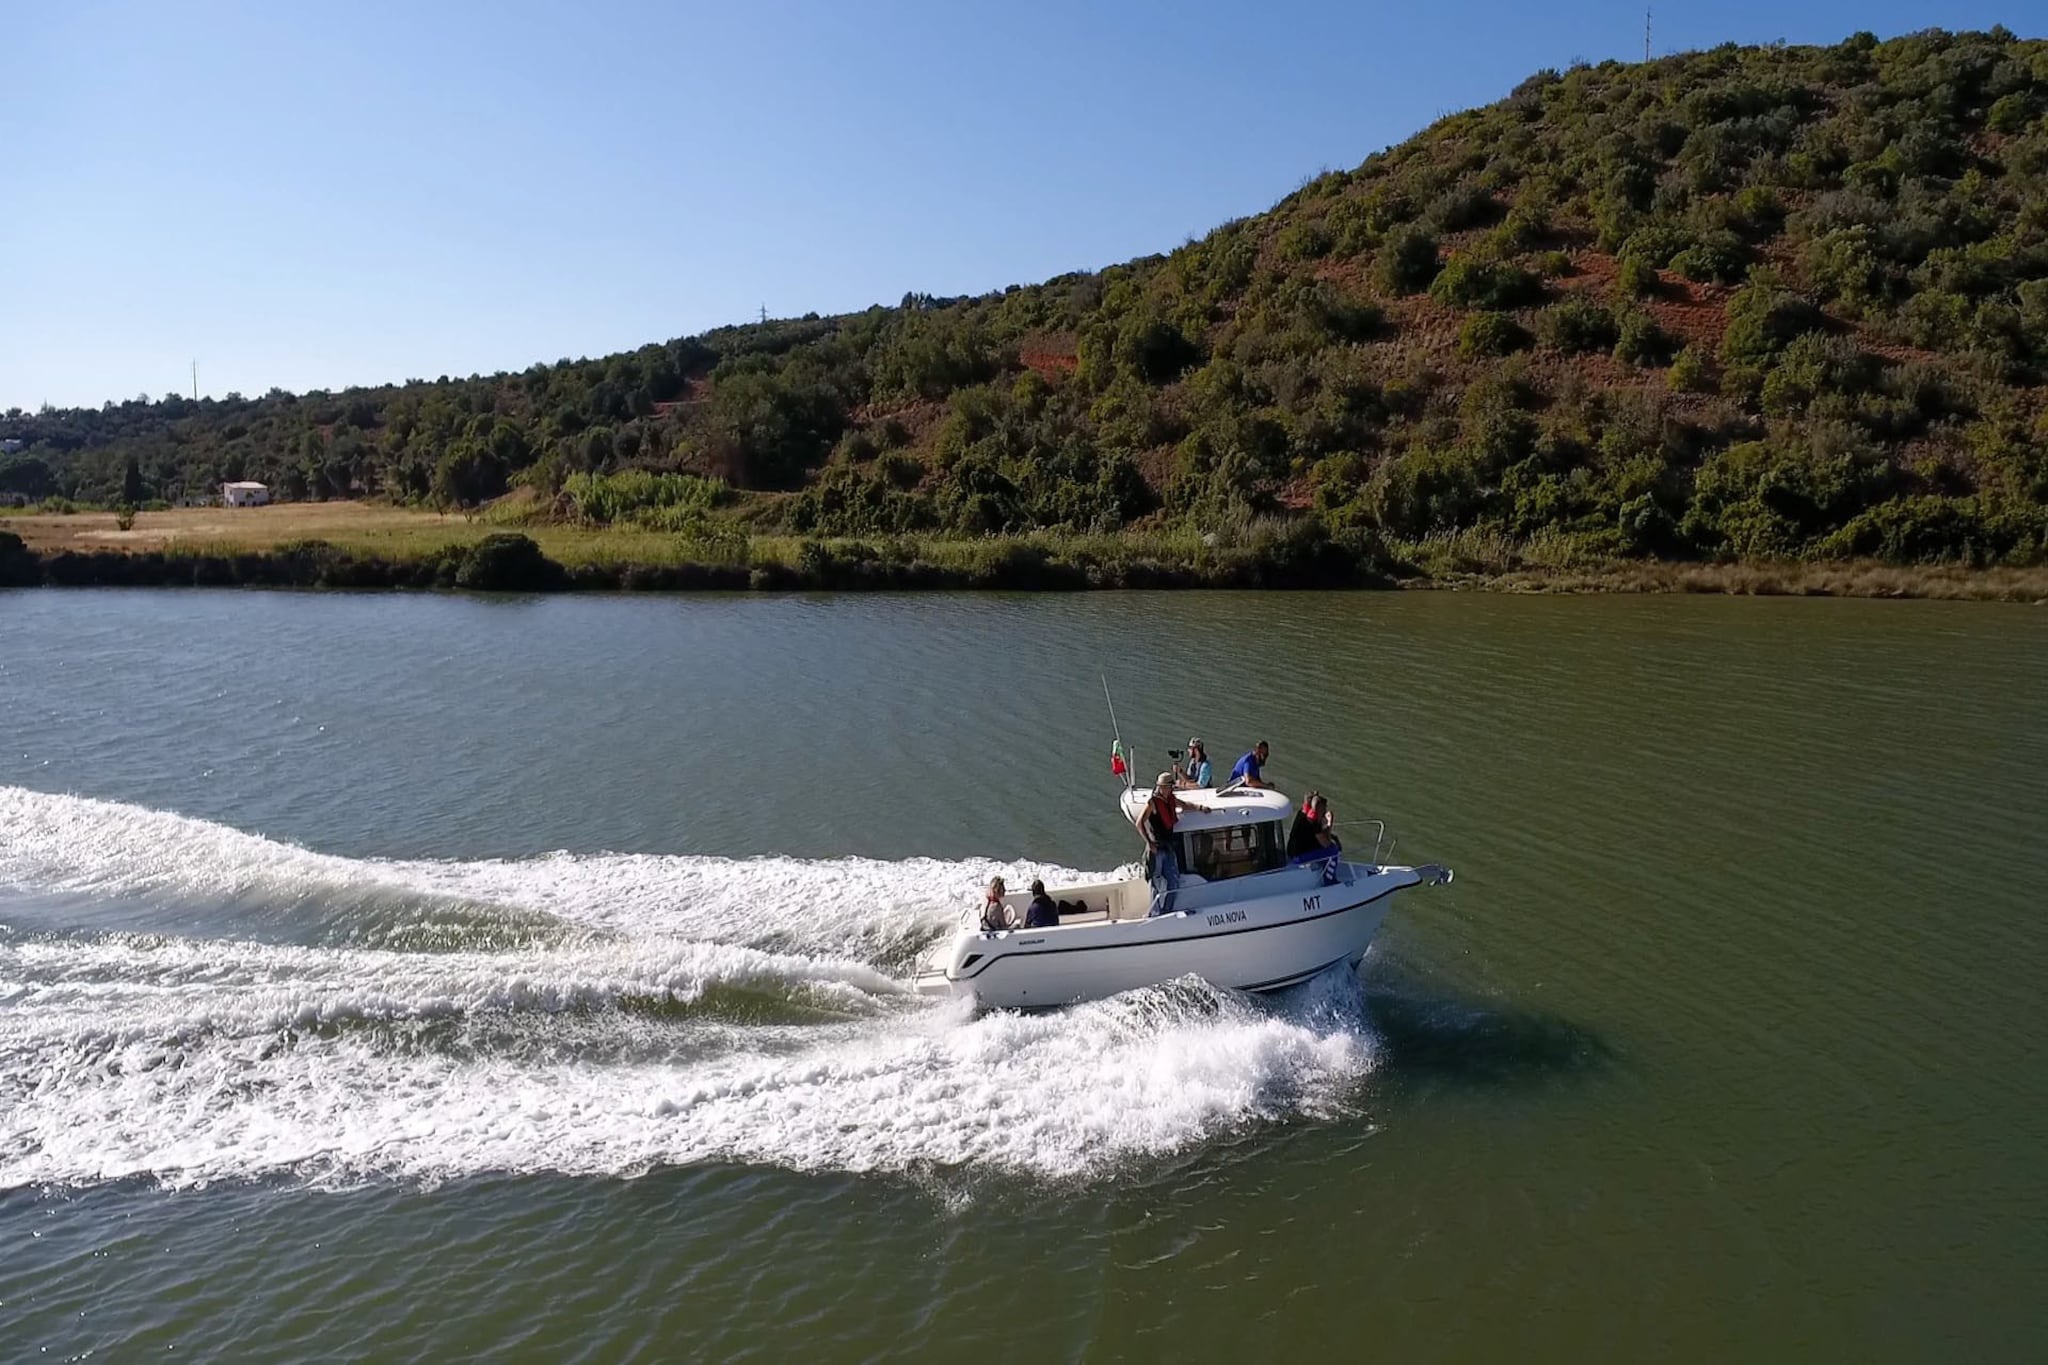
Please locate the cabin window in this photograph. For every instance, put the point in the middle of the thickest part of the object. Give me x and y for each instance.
(1235, 851)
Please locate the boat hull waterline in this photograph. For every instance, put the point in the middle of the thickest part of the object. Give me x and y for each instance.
(1303, 921)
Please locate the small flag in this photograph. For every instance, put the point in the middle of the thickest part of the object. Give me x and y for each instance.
(1117, 767)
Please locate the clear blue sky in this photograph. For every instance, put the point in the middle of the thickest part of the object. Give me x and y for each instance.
(318, 194)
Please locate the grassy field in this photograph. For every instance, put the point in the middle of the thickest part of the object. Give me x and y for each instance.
(1466, 560)
(367, 525)
(398, 533)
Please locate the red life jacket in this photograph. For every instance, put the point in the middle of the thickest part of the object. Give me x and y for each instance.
(1163, 817)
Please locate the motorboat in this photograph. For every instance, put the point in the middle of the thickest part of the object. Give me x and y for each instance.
(1246, 916)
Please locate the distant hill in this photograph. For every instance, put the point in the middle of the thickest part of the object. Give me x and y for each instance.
(1752, 302)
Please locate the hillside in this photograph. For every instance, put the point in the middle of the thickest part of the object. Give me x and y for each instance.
(1776, 302)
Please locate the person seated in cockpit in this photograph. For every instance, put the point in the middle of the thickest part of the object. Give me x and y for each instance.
(1041, 913)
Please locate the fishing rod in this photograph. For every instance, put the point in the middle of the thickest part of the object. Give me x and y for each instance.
(1129, 760)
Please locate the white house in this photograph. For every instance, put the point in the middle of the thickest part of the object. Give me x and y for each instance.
(244, 494)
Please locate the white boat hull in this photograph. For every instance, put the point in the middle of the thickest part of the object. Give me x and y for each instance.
(1298, 922)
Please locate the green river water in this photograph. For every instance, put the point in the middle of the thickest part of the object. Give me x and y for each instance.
(389, 977)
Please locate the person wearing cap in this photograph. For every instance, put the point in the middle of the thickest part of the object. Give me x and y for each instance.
(1155, 823)
(1041, 913)
(1250, 770)
(1198, 773)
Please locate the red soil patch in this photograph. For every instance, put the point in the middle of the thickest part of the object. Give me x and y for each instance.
(695, 391)
(1697, 314)
(1052, 355)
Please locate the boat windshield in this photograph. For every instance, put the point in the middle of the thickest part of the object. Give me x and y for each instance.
(1217, 855)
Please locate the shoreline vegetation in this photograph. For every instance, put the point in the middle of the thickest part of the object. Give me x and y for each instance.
(353, 545)
(1754, 319)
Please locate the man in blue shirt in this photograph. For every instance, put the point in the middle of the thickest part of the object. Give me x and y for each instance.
(1248, 769)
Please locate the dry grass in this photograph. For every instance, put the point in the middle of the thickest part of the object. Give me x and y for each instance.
(395, 533)
(356, 524)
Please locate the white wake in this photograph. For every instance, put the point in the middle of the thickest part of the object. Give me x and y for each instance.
(648, 1011)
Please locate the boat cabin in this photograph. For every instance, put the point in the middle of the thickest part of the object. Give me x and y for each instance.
(1243, 832)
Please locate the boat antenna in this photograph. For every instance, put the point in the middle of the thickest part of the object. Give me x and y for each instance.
(1130, 763)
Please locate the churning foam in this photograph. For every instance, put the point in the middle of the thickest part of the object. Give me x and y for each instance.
(651, 1011)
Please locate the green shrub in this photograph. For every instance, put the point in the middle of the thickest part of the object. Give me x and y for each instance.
(1642, 341)
(1637, 279)
(1691, 372)
(1579, 324)
(1917, 530)
(1427, 490)
(1486, 334)
(1407, 261)
(2009, 114)
(1527, 225)
(1719, 258)
(1554, 264)
(1814, 365)
(1742, 383)
(1465, 205)
(1467, 282)
(899, 469)
(1757, 212)
(1763, 319)
(1655, 244)
(1768, 499)
(1646, 527)
(1304, 242)
(1156, 351)
(506, 561)
(1847, 264)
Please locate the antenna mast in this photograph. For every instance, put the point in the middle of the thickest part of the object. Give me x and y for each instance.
(1646, 33)
(195, 381)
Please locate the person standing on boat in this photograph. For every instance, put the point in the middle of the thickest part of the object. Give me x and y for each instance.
(1156, 822)
(1198, 773)
(995, 916)
(1250, 769)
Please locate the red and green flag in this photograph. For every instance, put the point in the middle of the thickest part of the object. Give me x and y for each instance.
(1117, 766)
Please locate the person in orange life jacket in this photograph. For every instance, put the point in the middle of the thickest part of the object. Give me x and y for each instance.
(1041, 913)
(994, 914)
(1156, 822)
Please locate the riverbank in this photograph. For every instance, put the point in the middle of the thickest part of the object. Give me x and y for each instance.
(366, 546)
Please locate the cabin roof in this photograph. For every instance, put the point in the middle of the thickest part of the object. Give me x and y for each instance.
(1242, 806)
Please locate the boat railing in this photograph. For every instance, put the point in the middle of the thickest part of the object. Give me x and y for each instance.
(1379, 836)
